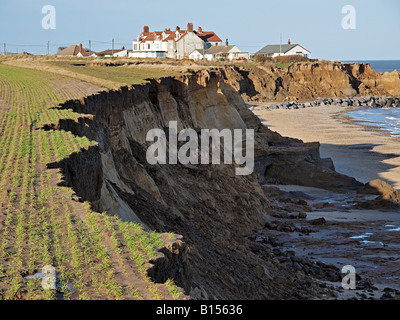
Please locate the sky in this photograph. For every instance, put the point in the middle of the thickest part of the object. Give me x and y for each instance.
(250, 24)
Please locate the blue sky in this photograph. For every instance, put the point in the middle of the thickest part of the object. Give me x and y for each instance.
(250, 24)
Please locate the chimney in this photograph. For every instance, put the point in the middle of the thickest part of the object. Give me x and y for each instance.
(123, 47)
(146, 29)
(80, 47)
(288, 41)
(199, 30)
(227, 42)
(190, 27)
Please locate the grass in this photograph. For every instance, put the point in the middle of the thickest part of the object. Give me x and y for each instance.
(123, 72)
(96, 255)
(122, 75)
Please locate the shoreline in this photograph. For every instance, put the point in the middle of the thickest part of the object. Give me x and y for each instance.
(366, 239)
(360, 151)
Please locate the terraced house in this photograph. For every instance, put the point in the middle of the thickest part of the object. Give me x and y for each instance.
(176, 44)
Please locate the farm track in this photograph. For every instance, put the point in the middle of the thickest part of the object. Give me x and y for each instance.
(96, 256)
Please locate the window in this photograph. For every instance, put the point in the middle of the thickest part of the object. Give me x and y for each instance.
(148, 46)
(135, 47)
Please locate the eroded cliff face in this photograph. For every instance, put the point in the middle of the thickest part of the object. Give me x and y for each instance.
(214, 210)
(308, 81)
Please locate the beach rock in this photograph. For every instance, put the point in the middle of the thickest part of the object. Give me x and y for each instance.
(348, 92)
(318, 222)
(388, 196)
(387, 296)
(302, 215)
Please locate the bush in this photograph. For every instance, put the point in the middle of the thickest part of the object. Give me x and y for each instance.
(262, 59)
(290, 59)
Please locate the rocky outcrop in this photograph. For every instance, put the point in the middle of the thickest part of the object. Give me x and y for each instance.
(361, 101)
(308, 81)
(211, 207)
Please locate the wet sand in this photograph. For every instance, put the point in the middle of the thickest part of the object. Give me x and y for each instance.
(363, 152)
(368, 240)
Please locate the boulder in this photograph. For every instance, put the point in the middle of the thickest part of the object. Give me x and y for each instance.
(318, 222)
(388, 196)
(348, 92)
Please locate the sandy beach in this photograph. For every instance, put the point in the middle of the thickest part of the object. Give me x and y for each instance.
(363, 152)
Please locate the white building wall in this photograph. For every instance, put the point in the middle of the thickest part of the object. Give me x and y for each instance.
(142, 54)
(123, 53)
(188, 44)
(298, 50)
(195, 55)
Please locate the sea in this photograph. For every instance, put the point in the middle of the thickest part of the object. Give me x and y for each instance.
(387, 119)
(381, 65)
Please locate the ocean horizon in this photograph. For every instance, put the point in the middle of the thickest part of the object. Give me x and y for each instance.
(380, 65)
(387, 119)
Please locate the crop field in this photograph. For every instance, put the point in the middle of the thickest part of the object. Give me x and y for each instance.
(95, 255)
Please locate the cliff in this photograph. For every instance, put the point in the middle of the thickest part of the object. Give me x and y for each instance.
(308, 81)
(215, 211)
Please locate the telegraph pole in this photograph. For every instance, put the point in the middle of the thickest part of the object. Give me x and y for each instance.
(112, 46)
(90, 46)
(48, 45)
(4, 48)
(280, 46)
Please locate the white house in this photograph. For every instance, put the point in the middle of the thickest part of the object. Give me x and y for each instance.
(176, 44)
(113, 53)
(122, 53)
(275, 50)
(227, 52)
(198, 54)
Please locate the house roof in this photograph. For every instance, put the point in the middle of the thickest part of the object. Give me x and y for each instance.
(205, 36)
(199, 51)
(171, 36)
(276, 48)
(209, 36)
(109, 52)
(182, 35)
(219, 49)
(73, 50)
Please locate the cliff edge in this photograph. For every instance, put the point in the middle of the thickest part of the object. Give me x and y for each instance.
(216, 212)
